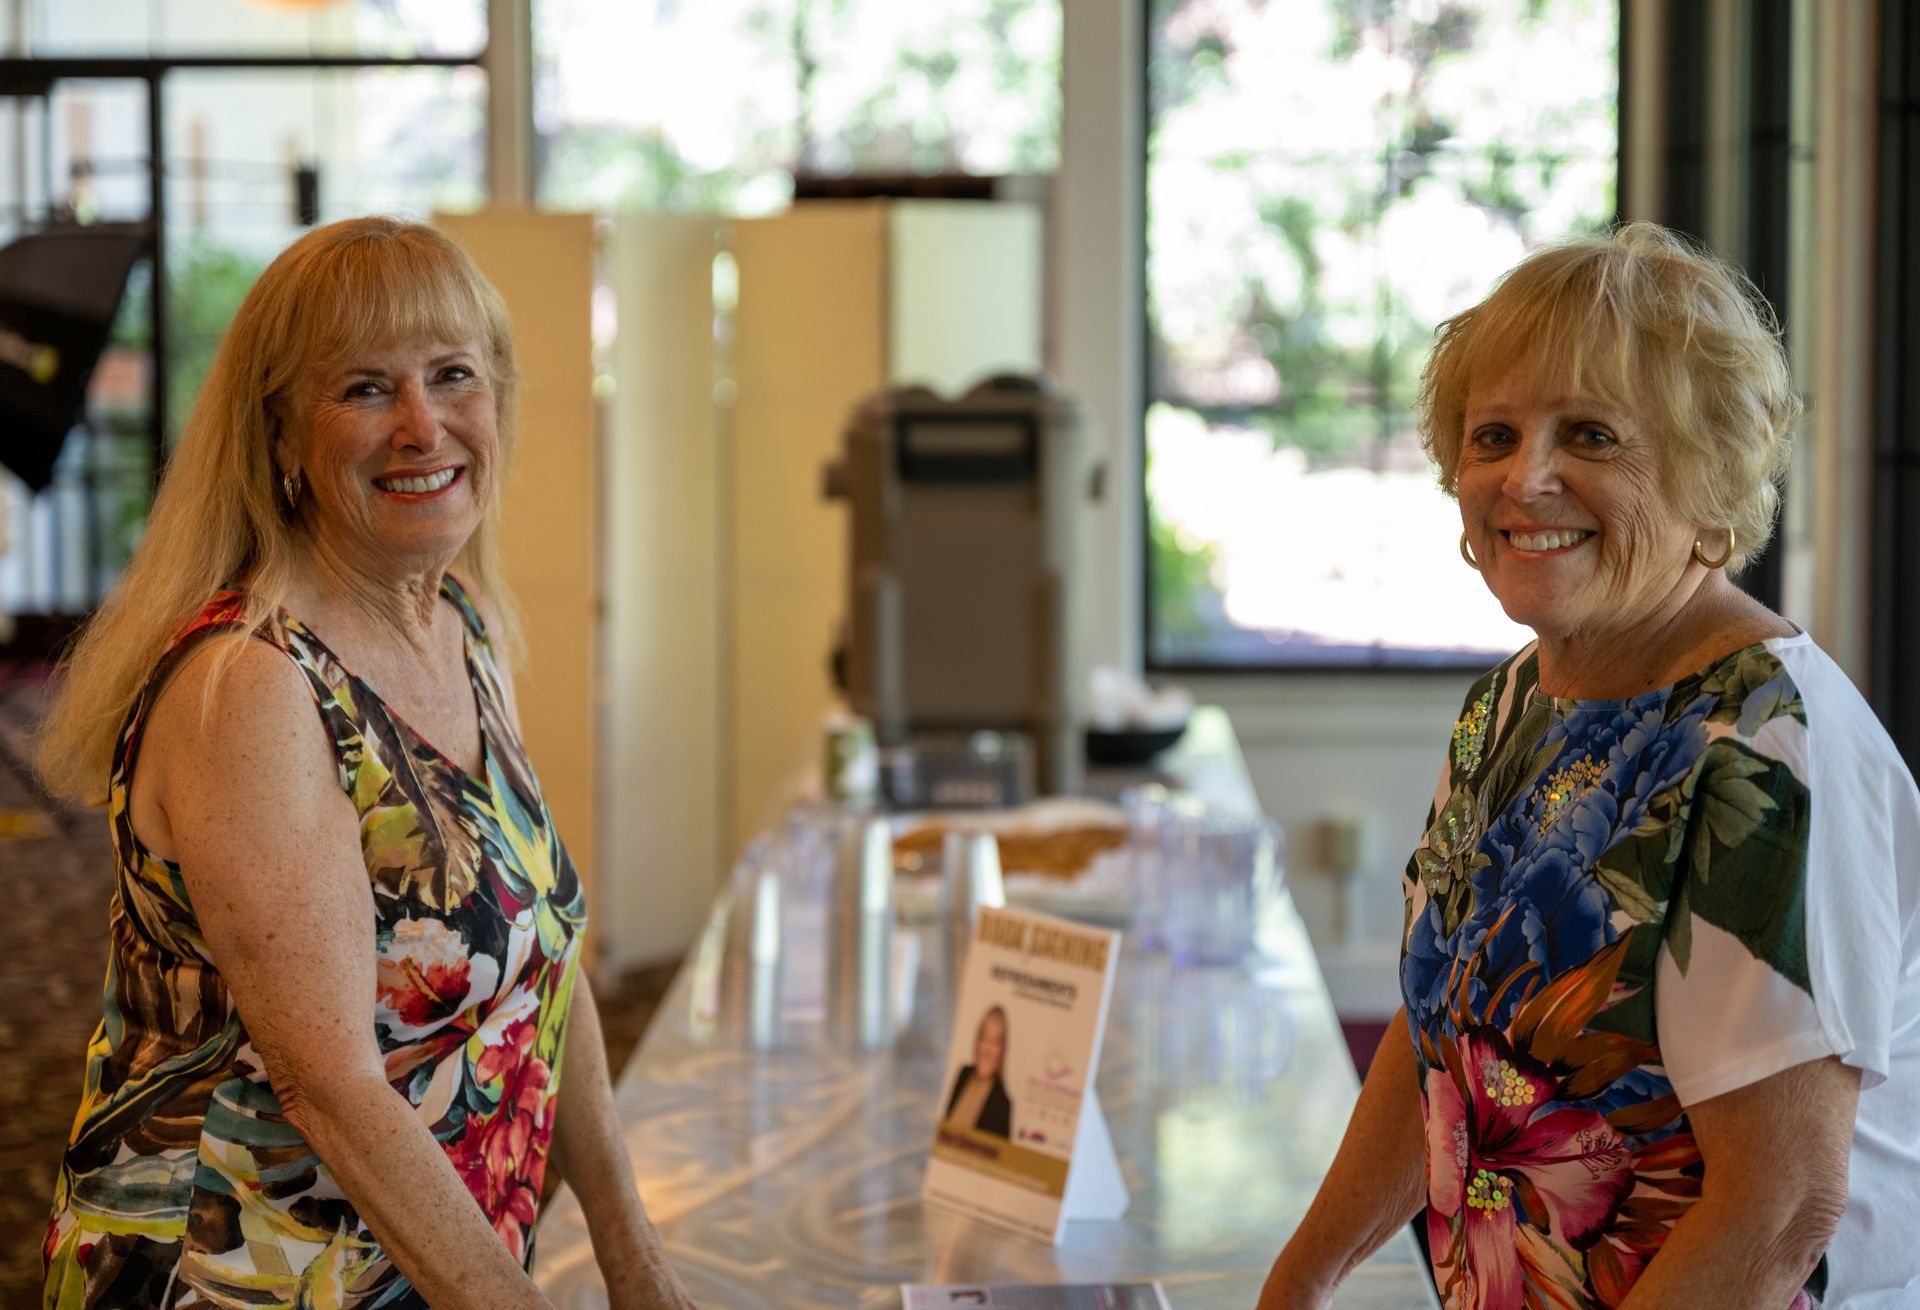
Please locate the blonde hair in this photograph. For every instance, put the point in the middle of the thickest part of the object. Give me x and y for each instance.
(1646, 323)
(218, 518)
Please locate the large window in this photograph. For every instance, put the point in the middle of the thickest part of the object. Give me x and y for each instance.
(399, 29)
(1326, 181)
(252, 154)
(716, 104)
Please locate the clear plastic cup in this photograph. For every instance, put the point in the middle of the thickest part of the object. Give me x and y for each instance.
(1217, 872)
(1148, 809)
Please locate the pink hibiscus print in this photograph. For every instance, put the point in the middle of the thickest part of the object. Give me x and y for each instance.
(502, 1157)
(1666, 1176)
(1506, 1190)
(1530, 1206)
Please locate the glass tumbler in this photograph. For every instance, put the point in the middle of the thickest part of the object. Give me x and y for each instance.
(1216, 871)
(1152, 813)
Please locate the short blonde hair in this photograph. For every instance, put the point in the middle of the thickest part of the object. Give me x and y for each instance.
(1650, 324)
(218, 518)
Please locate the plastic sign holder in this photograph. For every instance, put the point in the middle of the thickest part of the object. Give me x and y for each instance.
(1021, 1142)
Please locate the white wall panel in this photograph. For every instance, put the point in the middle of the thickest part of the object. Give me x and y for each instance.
(660, 653)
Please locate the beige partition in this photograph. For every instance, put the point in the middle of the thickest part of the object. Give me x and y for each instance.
(837, 299)
(683, 592)
(810, 339)
(963, 298)
(543, 265)
(661, 645)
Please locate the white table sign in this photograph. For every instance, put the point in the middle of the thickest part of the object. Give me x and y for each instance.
(1079, 1296)
(1021, 1141)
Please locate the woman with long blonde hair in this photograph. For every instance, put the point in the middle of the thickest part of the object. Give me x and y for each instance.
(344, 977)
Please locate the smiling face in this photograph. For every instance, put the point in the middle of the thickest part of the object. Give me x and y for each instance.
(397, 448)
(990, 1045)
(1562, 502)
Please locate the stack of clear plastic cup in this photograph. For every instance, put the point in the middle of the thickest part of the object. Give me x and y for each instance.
(969, 878)
(860, 937)
(1146, 811)
(749, 1012)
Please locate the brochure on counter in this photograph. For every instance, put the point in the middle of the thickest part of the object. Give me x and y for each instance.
(1089, 1296)
(1021, 1142)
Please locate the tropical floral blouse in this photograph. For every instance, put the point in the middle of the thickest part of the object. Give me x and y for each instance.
(183, 1183)
(1590, 871)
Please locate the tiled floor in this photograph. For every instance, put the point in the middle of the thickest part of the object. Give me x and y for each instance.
(57, 867)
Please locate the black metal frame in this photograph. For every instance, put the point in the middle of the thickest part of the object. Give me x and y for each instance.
(1684, 157)
(1767, 251)
(1895, 557)
(1144, 361)
(35, 77)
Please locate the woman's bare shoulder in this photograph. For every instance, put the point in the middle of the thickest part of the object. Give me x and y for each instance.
(235, 719)
(232, 683)
(1757, 623)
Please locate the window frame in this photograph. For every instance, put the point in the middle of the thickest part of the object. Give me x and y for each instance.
(1894, 560)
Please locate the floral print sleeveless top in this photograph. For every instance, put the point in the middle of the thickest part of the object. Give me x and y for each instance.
(1578, 853)
(183, 1184)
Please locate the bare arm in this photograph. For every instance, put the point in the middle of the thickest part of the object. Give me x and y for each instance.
(1774, 1188)
(1376, 1185)
(592, 1159)
(270, 849)
(587, 1146)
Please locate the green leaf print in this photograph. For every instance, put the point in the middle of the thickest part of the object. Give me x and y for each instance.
(1445, 862)
(1514, 765)
(1757, 889)
(1680, 929)
(1727, 807)
(1637, 871)
(1628, 895)
(1663, 810)
(1733, 679)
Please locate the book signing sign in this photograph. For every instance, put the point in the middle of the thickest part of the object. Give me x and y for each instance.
(1021, 1142)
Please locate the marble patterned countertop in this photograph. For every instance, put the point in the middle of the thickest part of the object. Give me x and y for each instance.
(790, 1179)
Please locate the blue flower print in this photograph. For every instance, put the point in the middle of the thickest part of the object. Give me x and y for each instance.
(1537, 909)
(1427, 966)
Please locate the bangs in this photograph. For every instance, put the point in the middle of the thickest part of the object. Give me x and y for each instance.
(1565, 316)
(1569, 333)
(366, 285)
(381, 293)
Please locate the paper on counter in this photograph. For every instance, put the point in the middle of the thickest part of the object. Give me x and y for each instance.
(1084, 1296)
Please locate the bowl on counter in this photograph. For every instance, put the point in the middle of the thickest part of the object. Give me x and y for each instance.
(1123, 746)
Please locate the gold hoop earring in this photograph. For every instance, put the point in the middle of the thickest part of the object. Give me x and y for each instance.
(1467, 555)
(290, 484)
(1720, 563)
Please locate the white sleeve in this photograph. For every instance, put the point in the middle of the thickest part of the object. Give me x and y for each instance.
(1784, 945)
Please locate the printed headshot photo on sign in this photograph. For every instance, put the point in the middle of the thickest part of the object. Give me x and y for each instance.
(979, 1097)
(1018, 1138)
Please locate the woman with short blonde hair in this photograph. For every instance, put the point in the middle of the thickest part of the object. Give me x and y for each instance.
(1661, 970)
(344, 976)
(1646, 322)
